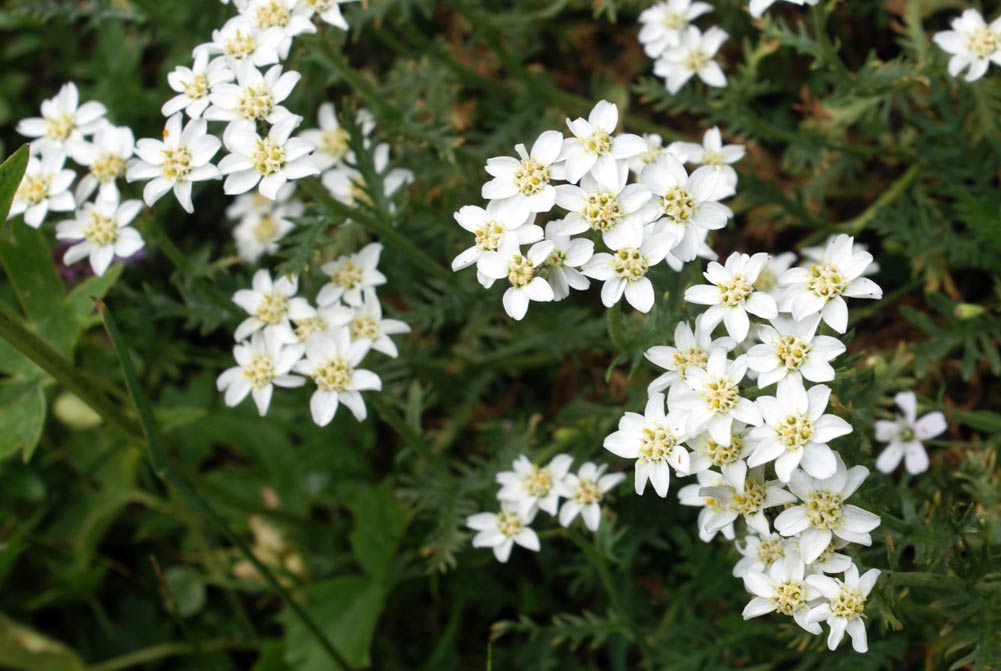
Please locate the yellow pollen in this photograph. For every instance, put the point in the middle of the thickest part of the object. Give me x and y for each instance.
(695, 60)
(260, 371)
(268, 156)
(587, 492)
(197, 87)
(59, 127)
(712, 158)
(771, 550)
(308, 327)
(107, 167)
(347, 275)
(488, 236)
(364, 327)
(673, 20)
(824, 509)
(34, 188)
(678, 205)
(265, 229)
(508, 524)
(657, 442)
(792, 351)
(240, 45)
(767, 280)
(272, 15)
(826, 280)
(176, 163)
(751, 500)
(795, 431)
(722, 455)
(735, 292)
(789, 596)
(273, 308)
(531, 177)
(848, 603)
(332, 375)
(629, 264)
(335, 142)
(721, 395)
(694, 356)
(983, 42)
(598, 144)
(255, 102)
(520, 272)
(538, 482)
(100, 230)
(602, 210)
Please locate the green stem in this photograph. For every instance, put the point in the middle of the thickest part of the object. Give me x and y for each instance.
(164, 650)
(49, 360)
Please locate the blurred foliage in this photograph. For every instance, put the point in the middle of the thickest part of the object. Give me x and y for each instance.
(851, 125)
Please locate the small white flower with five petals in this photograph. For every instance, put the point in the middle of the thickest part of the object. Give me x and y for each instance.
(905, 435)
(500, 531)
(265, 162)
(973, 44)
(331, 362)
(845, 607)
(532, 487)
(44, 188)
(594, 149)
(584, 493)
(791, 349)
(63, 120)
(102, 231)
(731, 296)
(526, 179)
(692, 56)
(261, 364)
(350, 276)
(654, 440)
(711, 398)
(522, 272)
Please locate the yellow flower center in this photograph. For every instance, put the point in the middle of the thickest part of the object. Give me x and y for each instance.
(673, 20)
(712, 158)
(735, 292)
(347, 275)
(651, 154)
(771, 550)
(34, 188)
(272, 15)
(792, 351)
(539, 481)
(602, 210)
(751, 500)
(657, 442)
(587, 492)
(364, 326)
(598, 143)
(59, 127)
(694, 356)
(531, 177)
(308, 327)
(722, 455)
(332, 375)
(255, 102)
(983, 42)
(176, 163)
(265, 229)
(488, 236)
(721, 395)
(520, 272)
(767, 280)
(334, 141)
(826, 280)
(260, 371)
(508, 524)
(107, 167)
(629, 264)
(273, 308)
(268, 156)
(848, 603)
(695, 60)
(196, 87)
(100, 230)
(240, 45)
(789, 596)
(678, 205)
(823, 509)
(795, 431)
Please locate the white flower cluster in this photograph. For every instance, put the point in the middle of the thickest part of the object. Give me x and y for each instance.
(773, 452)
(100, 228)
(973, 44)
(665, 216)
(904, 435)
(285, 334)
(758, 7)
(680, 50)
(529, 488)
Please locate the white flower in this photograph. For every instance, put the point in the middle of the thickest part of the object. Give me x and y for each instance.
(664, 22)
(502, 223)
(684, 204)
(729, 459)
(654, 148)
(561, 268)
(584, 492)
(758, 553)
(44, 188)
(905, 435)
(309, 320)
(747, 499)
(194, 84)
(271, 160)
(175, 163)
(845, 607)
(712, 152)
(691, 348)
(531, 486)
(331, 139)
(784, 589)
(690, 495)
(329, 11)
(823, 286)
(710, 397)
(350, 276)
(287, 16)
(816, 254)
(796, 431)
(829, 561)
(605, 203)
(240, 41)
(692, 56)
(348, 186)
(526, 179)
(63, 120)
(254, 98)
(790, 349)
(768, 280)
(625, 271)
(263, 222)
(332, 360)
(973, 43)
(502, 530)
(267, 303)
(106, 159)
(103, 231)
(593, 148)
(522, 272)
(758, 7)
(367, 324)
(731, 296)
(262, 363)
(654, 440)
(823, 513)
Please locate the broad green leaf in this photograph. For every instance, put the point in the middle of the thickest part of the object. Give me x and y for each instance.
(380, 520)
(28, 262)
(347, 609)
(187, 586)
(22, 416)
(11, 172)
(25, 649)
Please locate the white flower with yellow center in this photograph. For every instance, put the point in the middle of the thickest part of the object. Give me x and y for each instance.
(747, 499)
(309, 321)
(710, 397)
(562, 267)
(500, 224)
(654, 439)
(824, 286)
(350, 276)
(527, 179)
(105, 158)
(654, 148)
(730, 459)
(664, 22)
(367, 324)
(63, 120)
(624, 271)
(822, 513)
(331, 362)
(691, 348)
(267, 162)
(604, 203)
(758, 553)
(692, 56)
(731, 296)
(240, 41)
(254, 97)
(329, 11)
(263, 222)
(594, 149)
(768, 280)
(102, 231)
(348, 186)
(44, 188)
(584, 492)
(268, 304)
(500, 531)
(973, 44)
(262, 363)
(291, 17)
(791, 349)
(684, 204)
(796, 431)
(712, 152)
(194, 84)
(905, 434)
(758, 7)
(815, 254)
(690, 495)
(783, 589)
(530, 486)
(176, 162)
(332, 140)
(845, 607)
(522, 271)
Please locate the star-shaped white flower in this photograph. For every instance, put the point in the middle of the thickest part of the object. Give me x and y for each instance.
(500, 531)
(747, 499)
(44, 188)
(329, 11)
(331, 362)
(309, 320)
(367, 324)
(845, 607)
(261, 364)
(783, 589)
(791, 349)
(63, 120)
(973, 44)
(624, 272)
(522, 273)
(290, 17)
(194, 84)
(712, 152)
(268, 304)
(332, 140)
(265, 162)
(351, 275)
(254, 97)
(530, 487)
(102, 231)
(175, 163)
(501, 223)
(730, 460)
(526, 179)
(584, 492)
(905, 435)
(240, 41)
(691, 348)
(690, 495)
(654, 148)
(692, 56)
(711, 398)
(105, 157)
(758, 7)
(562, 267)
(664, 22)
(593, 148)
(606, 204)
(654, 440)
(731, 296)
(758, 553)
(263, 222)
